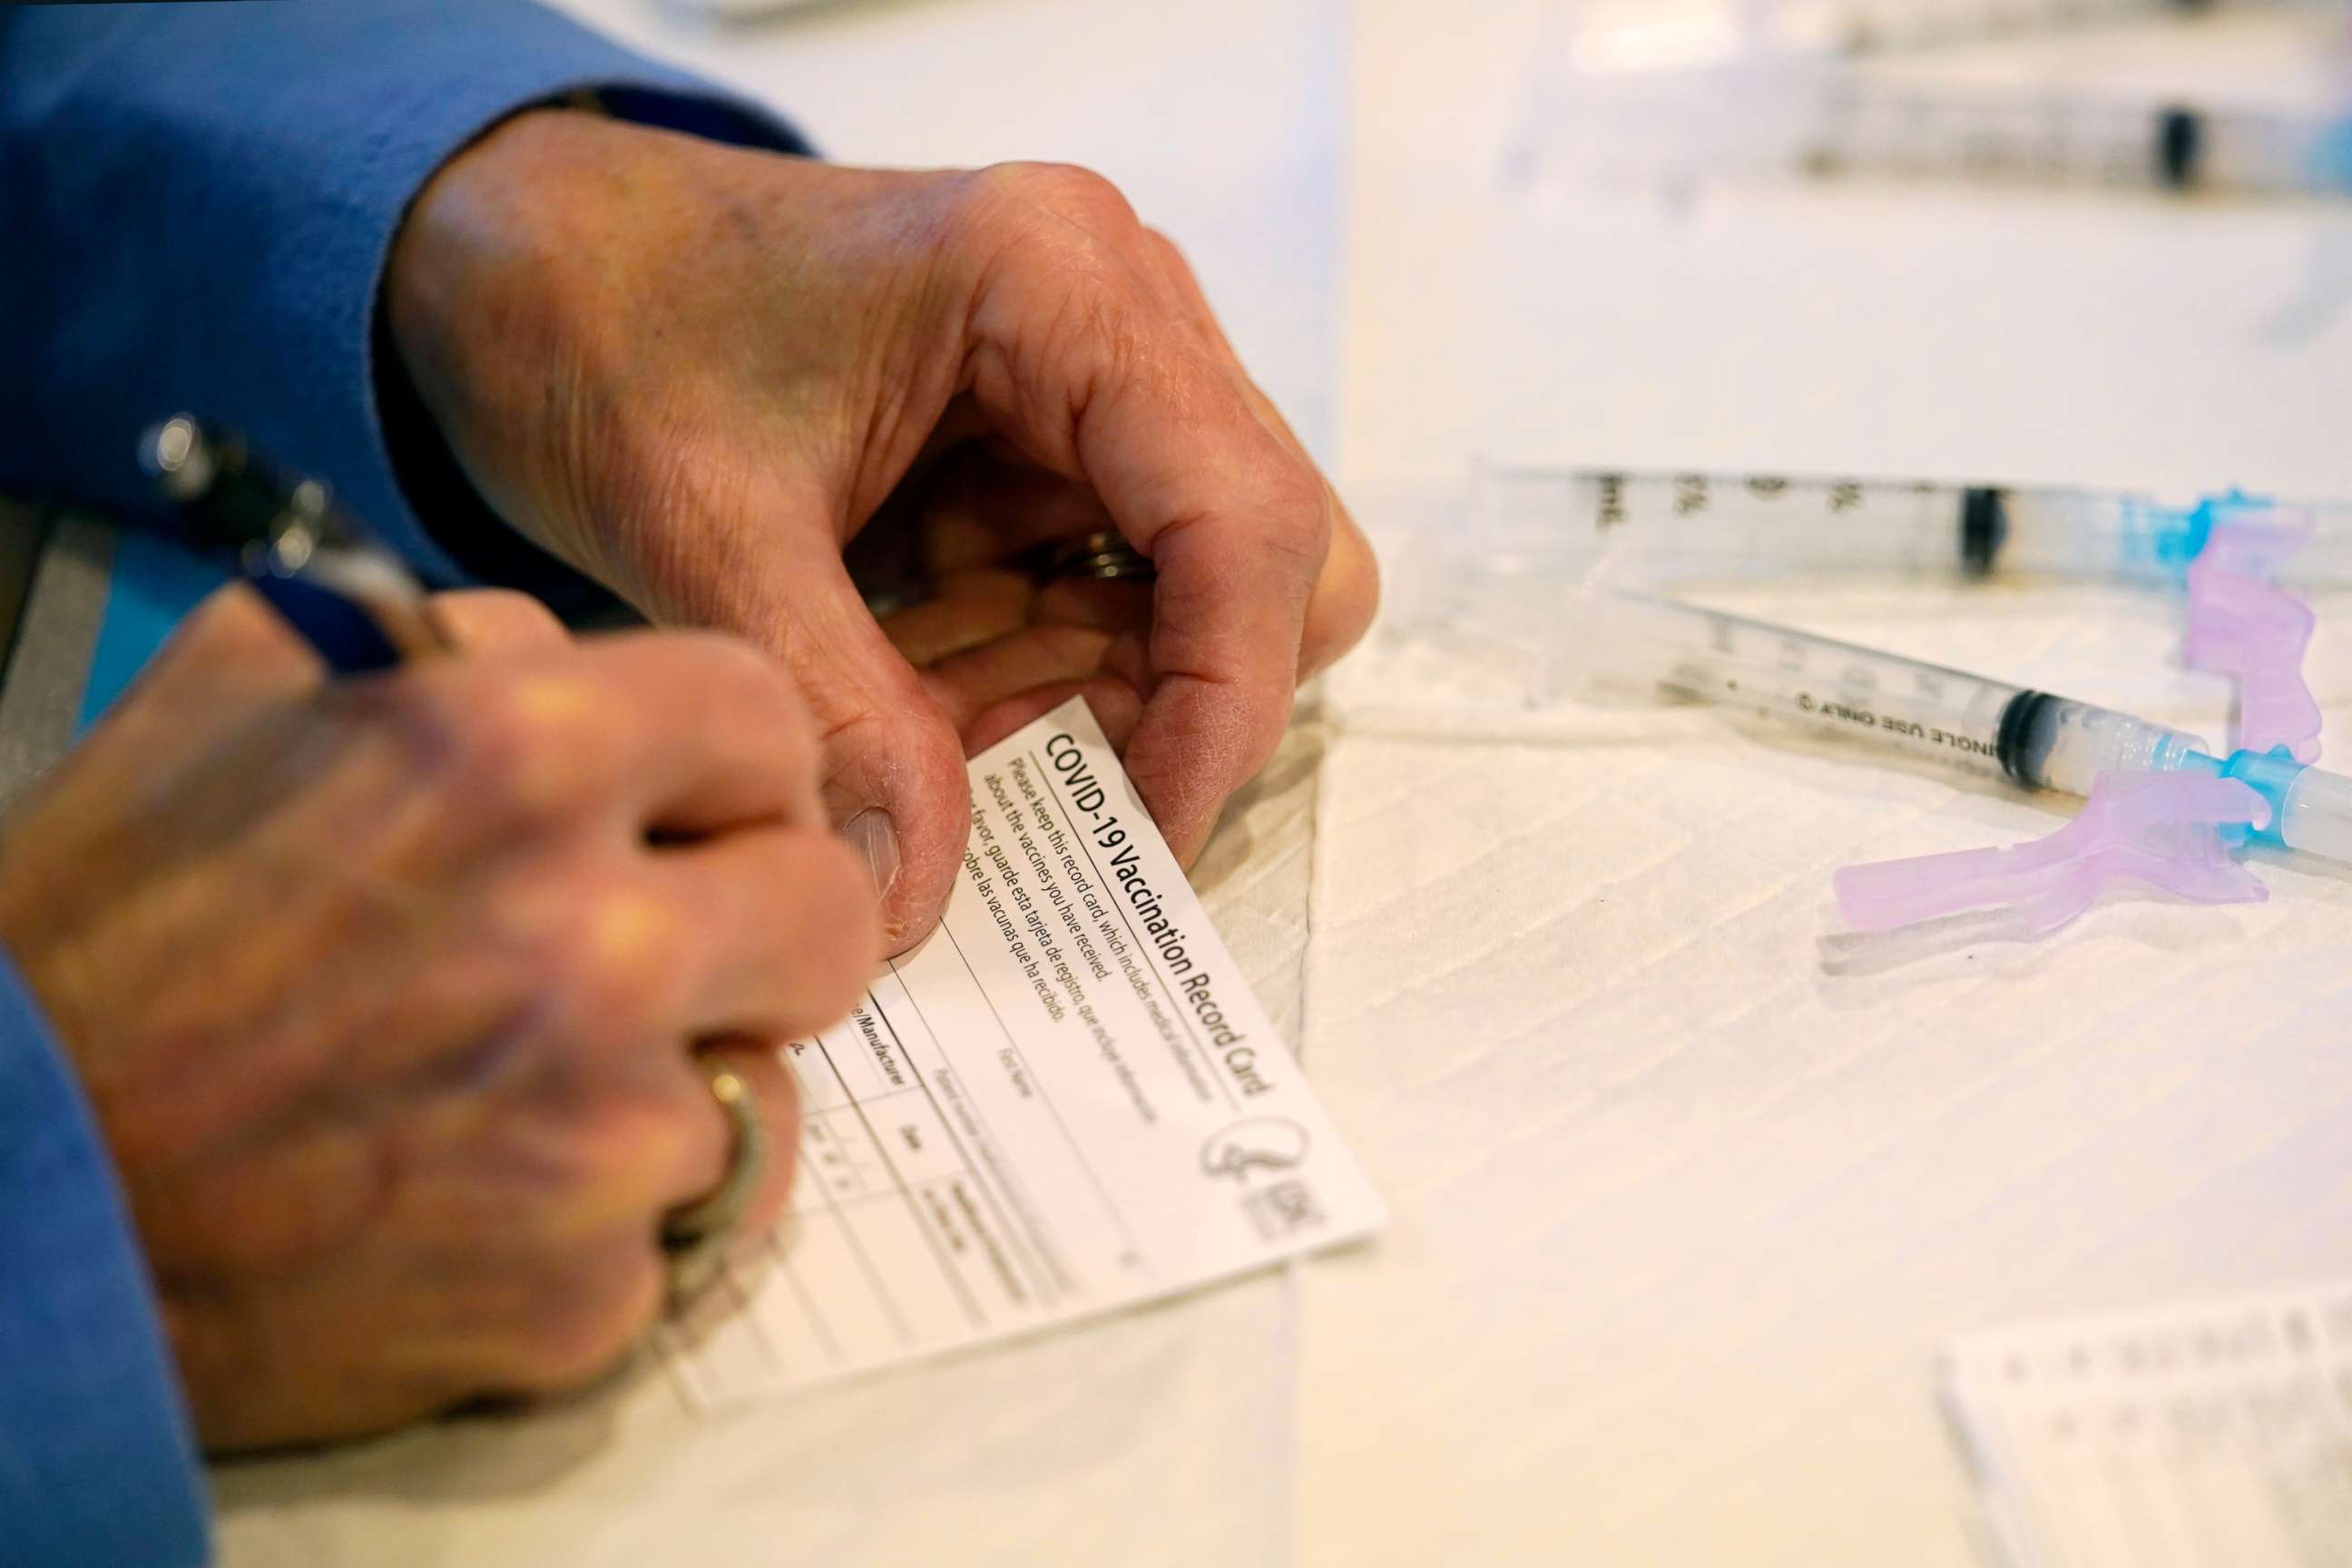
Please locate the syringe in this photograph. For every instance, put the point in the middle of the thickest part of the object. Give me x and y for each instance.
(1860, 124)
(1824, 120)
(1667, 527)
(1644, 646)
(1633, 34)
(1864, 27)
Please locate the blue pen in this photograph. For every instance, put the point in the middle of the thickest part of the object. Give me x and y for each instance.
(352, 599)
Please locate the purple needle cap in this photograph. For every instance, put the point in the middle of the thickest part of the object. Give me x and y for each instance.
(2242, 624)
(2162, 829)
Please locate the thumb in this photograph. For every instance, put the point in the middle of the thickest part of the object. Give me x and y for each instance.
(894, 780)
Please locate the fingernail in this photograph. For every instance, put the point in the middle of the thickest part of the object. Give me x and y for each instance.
(875, 839)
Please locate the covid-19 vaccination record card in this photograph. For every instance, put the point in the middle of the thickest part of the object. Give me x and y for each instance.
(1064, 1101)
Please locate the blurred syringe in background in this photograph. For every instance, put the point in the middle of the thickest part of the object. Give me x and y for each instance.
(1862, 26)
(1854, 125)
(1607, 36)
(1681, 91)
(1815, 120)
(1561, 525)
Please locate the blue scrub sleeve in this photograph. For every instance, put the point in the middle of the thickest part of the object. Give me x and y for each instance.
(198, 201)
(97, 1460)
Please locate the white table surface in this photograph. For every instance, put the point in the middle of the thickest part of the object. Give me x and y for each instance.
(1688, 1187)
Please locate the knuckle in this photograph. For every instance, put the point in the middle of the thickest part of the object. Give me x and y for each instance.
(630, 1150)
(1171, 254)
(1043, 220)
(602, 961)
(420, 709)
(1065, 190)
(506, 748)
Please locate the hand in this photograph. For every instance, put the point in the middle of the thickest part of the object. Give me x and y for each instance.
(384, 992)
(696, 372)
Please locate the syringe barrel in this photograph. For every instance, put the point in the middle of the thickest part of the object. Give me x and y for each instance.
(2088, 534)
(2311, 810)
(1637, 645)
(1656, 528)
(1667, 527)
(2318, 819)
(2055, 743)
(2272, 153)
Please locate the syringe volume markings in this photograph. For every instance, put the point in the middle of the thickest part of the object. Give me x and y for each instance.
(1613, 500)
(1639, 643)
(1664, 527)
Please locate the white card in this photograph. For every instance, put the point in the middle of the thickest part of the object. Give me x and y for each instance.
(1065, 1101)
(2211, 1435)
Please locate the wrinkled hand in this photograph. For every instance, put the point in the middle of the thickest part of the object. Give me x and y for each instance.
(696, 372)
(384, 990)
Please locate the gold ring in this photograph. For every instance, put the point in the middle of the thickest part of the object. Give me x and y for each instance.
(694, 1236)
(1103, 557)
